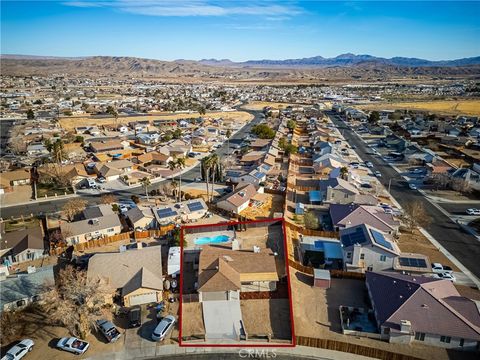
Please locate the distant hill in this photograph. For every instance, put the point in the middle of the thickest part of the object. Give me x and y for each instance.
(345, 60)
(343, 67)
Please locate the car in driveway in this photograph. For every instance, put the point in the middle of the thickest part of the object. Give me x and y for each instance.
(439, 268)
(135, 317)
(163, 328)
(123, 208)
(108, 330)
(445, 276)
(412, 186)
(473, 211)
(19, 350)
(377, 174)
(73, 345)
(368, 164)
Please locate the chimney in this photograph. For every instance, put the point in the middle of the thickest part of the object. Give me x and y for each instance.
(405, 326)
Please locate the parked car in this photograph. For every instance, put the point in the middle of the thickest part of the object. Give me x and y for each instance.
(388, 211)
(73, 345)
(102, 180)
(108, 330)
(473, 211)
(439, 268)
(163, 328)
(135, 246)
(366, 186)
(445, 275)
(198, 179)
(368, 164)
(135, 317)
(412, 186)
(377, 174)
(20, 350)
(123, 208)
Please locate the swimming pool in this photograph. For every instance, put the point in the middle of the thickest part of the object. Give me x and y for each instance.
(211, 240)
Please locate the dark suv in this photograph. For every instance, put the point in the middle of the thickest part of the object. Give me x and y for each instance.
(135, 317)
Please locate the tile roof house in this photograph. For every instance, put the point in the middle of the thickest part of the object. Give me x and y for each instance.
(344, 216)
(23, 289)
(223, 273)
(367, 249)
(106, 145)
(140, 218)
(239, 199)
(137, 274)
(423, 309)
(22, 245)
(15, 178)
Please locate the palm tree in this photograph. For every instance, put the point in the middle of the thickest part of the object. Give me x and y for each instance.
(228, 134)
(205, 169)
(180, 165)
(214, 167)
(145, 182)
(172, 165)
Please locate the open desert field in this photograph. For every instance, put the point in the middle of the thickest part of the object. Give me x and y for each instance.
(70, 123)
(448, 107)
(259, 105)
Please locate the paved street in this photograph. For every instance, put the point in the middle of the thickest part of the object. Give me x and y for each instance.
(38, 208)
(462, 245)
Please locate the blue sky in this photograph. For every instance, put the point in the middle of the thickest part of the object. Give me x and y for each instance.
(240, 30)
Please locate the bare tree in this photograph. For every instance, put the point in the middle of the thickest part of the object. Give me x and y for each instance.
(414, 215)
(11, 326)
(74, 207)
(461, 186)
(108, 199)
(77, 302)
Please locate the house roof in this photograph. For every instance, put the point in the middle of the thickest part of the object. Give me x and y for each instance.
(221, 266)
(241, 195)
(135, 214)
(337, 183)
(354, 214)
(8, 176)
(131, 267)
(20, 240)
(153, 155)
(24, 286)
(433, 306)
(364, 234)
(105, 145)
(87, 226)
(144, 278)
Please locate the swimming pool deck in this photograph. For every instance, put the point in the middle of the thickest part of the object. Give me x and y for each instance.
(190, 238)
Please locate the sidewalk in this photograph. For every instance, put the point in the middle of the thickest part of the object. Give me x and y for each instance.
(168, 351)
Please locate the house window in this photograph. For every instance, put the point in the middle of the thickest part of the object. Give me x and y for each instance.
(370, 268)
(349, 255)
(383, 257)
(445, 339)
(362, 256)
(420, 336)
(462, 341)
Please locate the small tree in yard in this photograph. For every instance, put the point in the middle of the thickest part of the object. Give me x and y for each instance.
(77, 302)
(74, 207)
(145, 182)
(30, 114)
(311, 221)
(11, 326)
(108, 199)
(414, 215)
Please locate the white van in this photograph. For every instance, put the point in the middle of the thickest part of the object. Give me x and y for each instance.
(163, 328)
(92, 184)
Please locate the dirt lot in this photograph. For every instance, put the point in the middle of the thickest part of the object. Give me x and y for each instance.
(263, 317)
(69, 123)
(259, 105)
(270, 204)
(417, 243)
(451, 107)
(192, 319)
(316, 314)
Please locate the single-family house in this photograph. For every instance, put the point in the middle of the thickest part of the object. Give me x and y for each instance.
(344, 216)
(135, 274)
(183, 211)
(367, 249)
(23, 289)
(223, 273)
(21, 245)
(419, 309)
(106, 145)
(140, 218)
(238, 200)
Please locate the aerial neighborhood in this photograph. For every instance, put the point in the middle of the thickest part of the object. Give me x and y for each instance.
(160, 216)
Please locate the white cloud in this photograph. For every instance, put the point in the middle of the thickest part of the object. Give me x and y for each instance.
(194, 8)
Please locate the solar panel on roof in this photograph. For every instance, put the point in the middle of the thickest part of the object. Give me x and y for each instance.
(164, 213)
(380, 239)
(195, 206)
(259, 175)
(356, 237)
(412, 262)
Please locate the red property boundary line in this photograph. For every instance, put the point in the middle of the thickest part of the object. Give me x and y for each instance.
(246, 345)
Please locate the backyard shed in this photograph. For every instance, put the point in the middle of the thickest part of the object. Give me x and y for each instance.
(321, 278)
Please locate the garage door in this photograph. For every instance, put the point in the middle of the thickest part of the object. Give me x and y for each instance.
(143, 298)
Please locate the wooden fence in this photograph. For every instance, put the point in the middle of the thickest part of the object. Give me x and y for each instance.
(297, 266)
(101, 241)
(310, 232)
(352, 348)
(347, 275)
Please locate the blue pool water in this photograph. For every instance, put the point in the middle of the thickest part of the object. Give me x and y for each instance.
(211, 240)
